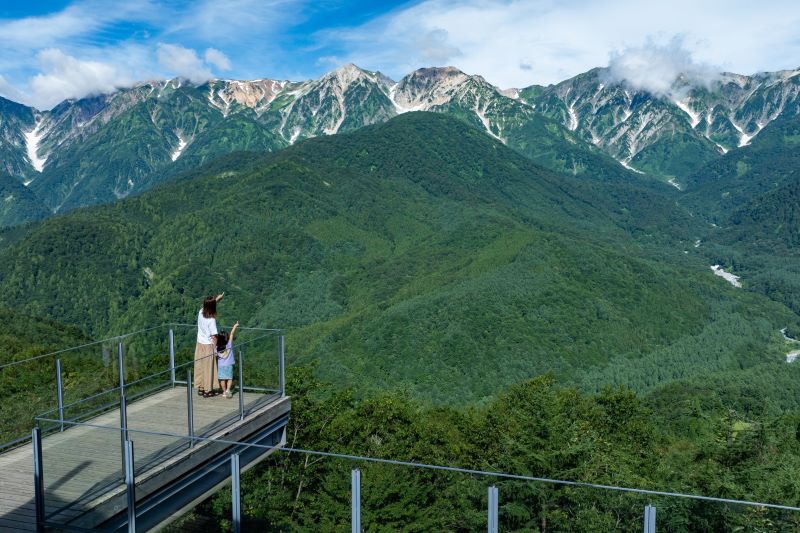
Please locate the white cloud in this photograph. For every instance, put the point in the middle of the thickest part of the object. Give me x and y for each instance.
(235, 21)
(183, 62)
(655, 67)
(515, 43)
(218, 59)
(75, 21)
(64, 76)
(9, 91)
(433, 48)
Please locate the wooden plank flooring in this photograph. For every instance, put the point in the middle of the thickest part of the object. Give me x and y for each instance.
(84, 463)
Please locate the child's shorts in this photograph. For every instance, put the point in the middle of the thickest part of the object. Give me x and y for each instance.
(225, 372)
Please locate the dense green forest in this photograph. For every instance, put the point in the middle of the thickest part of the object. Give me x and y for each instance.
(743, 175)
(682, 438)
(29, 388)
(417, 254)
(18, 204)
(749, 200)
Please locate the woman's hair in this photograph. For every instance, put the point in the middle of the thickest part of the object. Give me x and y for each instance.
(210, 307)
(222, 340)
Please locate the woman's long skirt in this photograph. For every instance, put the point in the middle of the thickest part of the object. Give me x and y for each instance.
(205, 367)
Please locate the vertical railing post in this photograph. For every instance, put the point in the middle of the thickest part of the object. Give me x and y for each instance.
(236, 496)
(189, 407)
(130, 485)
(172, 357)
(650, 519)
(38, 478)
(241, 385)
(493, 510)
(123, 407)
(355, 496)
(60, 390)
(282, 365)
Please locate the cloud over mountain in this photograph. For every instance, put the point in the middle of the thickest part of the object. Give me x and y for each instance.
(656, 67)
(184, 62)
(64, 76)
(218, 59)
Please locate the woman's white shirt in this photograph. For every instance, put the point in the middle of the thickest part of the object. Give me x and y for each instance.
(206, 328)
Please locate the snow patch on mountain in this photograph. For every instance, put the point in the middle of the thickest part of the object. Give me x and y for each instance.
(694, 118)
(400, 108)
(32, 140)
(573, 117)
(179, 149)
(744, 138)
(727, 276)
(675, 184)
(481, 113)
(626, 165)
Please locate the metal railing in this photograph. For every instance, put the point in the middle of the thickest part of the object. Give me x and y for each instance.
(120, 396)
(85, 375)
(261, 366)
(493, 486)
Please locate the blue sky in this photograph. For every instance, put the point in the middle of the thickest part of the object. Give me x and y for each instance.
(57, 49)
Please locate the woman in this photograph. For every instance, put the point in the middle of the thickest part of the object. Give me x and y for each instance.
(205, 359)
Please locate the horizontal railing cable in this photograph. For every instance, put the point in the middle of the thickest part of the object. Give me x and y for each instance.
(124, 336)
(446, 468)
(243, 328)
(71, 348)
(148, 377)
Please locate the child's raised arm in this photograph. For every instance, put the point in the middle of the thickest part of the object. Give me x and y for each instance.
(233, 332)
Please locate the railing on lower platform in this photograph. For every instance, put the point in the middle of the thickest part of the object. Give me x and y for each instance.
(377, 499)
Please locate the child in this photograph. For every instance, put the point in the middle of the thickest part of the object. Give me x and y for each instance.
(225, 360)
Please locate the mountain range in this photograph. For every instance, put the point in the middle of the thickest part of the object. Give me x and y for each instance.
(107, 147)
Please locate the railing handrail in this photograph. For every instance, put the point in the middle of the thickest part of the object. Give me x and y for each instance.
(250, 328)
(123, 336)
(149, 376)
(71, 348)
(267, 332)
(447, 468)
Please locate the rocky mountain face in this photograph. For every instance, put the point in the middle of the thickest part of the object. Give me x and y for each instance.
(106, 147)
(673, 134)
(16, 128)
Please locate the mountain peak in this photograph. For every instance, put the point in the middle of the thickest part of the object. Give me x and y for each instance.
(427, 87)
(254, 94)
(346, 72)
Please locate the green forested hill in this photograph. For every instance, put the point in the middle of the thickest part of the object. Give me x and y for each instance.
(742, 175)
(419, 254)
(771, 221)
(18, 204)
(749, 198)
